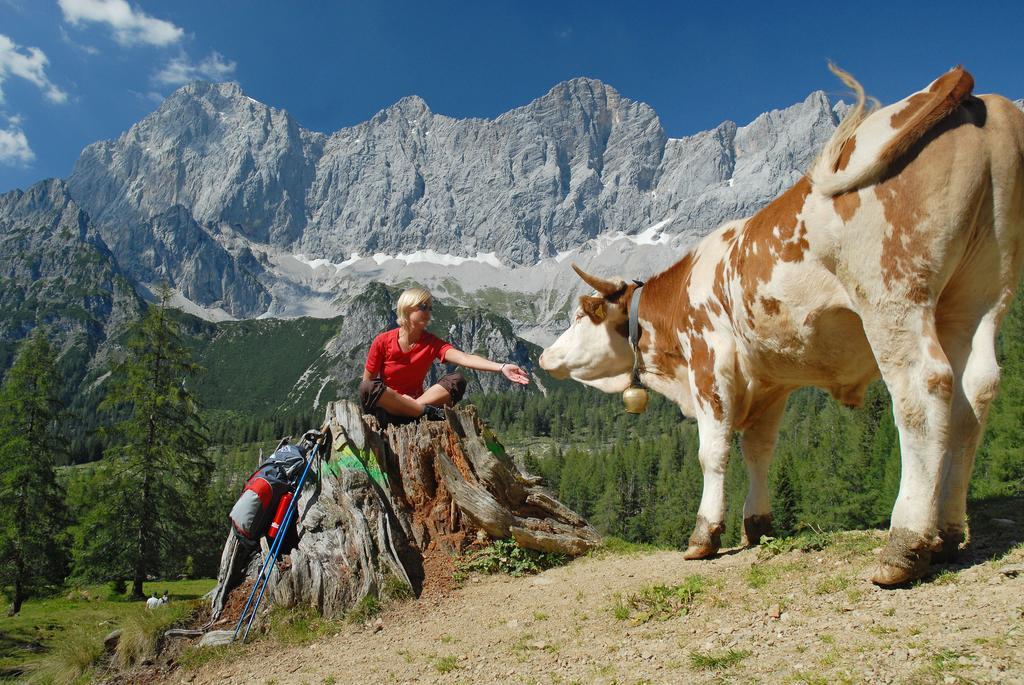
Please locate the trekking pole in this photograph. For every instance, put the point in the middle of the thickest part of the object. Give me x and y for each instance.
(268, 565)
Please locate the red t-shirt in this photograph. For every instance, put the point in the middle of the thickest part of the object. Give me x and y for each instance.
(404, 372)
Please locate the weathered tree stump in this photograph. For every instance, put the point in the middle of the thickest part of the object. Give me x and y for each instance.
(393, 507)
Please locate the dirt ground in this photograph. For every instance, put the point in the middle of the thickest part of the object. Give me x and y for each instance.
(798, 617)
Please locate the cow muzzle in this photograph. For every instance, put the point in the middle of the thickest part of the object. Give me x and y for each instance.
(554, 366)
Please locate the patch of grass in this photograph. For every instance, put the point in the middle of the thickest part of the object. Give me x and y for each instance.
(299, 626)
(617, 546)
(368, 607)
(446, 664)
(540, 616)
(660, 602)
(855, 542)
(142, 631)
(72, 660)
(448, 639)
(946, 577)
(521, 645)
(506, 556)
(854, 595)
(759, 575)
(48, 622)
(881, 631)
(807, 679)
(195, 657)
(808, 541)
(833, 584)
(710, 661)
(943, 664)
(948, 659)
(394, 589)
(620, 610)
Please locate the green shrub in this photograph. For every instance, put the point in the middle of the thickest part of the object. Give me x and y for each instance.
(506, 556)
(807, 541)
(661, 602)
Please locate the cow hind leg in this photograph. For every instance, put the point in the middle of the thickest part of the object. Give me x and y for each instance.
(758, 447)
(972, 353)
(920, 381)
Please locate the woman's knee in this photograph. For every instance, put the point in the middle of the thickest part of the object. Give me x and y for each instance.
(370, 392)
(455, 384)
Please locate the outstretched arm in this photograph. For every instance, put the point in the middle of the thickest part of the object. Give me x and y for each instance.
(472, 361)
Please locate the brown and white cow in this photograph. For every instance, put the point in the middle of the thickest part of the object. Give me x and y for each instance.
(897, 254)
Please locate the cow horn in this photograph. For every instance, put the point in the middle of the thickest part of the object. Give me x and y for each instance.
(601, 285)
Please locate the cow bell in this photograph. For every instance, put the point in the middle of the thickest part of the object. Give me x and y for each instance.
(635, 399)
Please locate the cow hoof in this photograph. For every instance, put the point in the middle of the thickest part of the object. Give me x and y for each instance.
(905, 558)
(706, 539)
(950, 550)
(754, 527)
(699, 552)
(888, 576)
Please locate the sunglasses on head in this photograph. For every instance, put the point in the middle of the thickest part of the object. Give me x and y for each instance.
(425, 307)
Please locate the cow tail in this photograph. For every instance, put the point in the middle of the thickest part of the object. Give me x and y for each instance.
(826, 178)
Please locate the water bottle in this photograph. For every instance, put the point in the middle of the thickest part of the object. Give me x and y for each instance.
(282, 507)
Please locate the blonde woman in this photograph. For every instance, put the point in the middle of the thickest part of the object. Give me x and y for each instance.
(399, 360)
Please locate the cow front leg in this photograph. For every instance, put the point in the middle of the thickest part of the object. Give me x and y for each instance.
(759, 440)
(920, 381)
(706, 539)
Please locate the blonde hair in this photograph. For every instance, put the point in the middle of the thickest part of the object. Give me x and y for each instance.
(408, 301)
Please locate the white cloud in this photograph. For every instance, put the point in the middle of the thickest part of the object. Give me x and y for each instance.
(181, 70)
(14, 149)
(29, 64)
(149, 97)
(131, 26)
(88, 49)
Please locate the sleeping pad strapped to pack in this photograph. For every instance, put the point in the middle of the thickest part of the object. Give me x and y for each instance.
(252, 513)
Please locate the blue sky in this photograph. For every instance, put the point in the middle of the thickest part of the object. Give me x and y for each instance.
(76, 71)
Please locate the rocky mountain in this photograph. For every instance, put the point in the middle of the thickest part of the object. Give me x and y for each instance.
(287, 218)
(247, 214)
(56, 271)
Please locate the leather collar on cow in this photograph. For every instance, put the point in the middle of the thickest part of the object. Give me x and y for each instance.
(634, 332)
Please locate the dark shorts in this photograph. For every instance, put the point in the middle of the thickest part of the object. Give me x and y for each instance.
(371, 390)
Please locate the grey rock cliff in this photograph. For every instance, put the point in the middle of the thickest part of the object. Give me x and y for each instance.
(57, 272)
(579, 162)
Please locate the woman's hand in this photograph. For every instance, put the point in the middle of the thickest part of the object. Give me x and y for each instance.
(471, 361)
(515, 374)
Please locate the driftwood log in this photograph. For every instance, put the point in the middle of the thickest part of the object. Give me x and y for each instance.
(392, 509)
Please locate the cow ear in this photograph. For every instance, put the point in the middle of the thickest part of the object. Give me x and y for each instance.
(594, 307)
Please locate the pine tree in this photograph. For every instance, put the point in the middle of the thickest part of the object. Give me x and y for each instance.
(33, 518)
(159, 465)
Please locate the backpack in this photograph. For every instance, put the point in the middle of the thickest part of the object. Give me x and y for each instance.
(252, 513)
